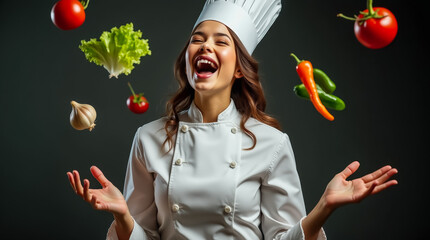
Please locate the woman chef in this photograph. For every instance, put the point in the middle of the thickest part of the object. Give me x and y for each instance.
(218, 167)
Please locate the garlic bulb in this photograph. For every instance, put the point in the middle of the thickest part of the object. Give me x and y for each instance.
(82, 116)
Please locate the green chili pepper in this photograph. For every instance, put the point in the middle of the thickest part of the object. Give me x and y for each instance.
(327, 99)
(324, 81)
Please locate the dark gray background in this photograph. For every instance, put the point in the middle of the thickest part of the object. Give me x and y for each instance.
(42, 70)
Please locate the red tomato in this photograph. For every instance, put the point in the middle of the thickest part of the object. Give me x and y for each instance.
(376, 33)
(68, 14)
(137, 103)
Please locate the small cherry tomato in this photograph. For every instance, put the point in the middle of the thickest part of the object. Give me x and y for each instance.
(68, 14)
(376, 33)
(137, 103)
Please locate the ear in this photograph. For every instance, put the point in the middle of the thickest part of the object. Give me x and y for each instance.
(238, 73)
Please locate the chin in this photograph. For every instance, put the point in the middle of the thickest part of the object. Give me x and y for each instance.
(203, 86)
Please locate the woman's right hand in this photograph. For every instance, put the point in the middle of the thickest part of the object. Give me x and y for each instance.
(108, 198)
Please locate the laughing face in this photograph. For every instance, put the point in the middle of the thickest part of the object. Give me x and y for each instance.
(211, 59)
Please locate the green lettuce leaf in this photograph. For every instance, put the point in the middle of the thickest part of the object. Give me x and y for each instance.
(117, 50)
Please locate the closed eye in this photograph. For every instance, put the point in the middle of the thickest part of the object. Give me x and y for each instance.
(222, 42)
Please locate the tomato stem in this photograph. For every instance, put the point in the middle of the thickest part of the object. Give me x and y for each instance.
(370, 7)
(346, 17)
(129, 85)
(85, 3)
(366, 15)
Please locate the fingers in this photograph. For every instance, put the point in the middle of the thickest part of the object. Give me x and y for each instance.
(379, 179)
(87, 195)
(382, 181)
(387, 175)
(350, 169)
(98, 174)
(380, 176)
(78, 186)
(75, 182)
(376, 174)
(71, 180)
(384, 186)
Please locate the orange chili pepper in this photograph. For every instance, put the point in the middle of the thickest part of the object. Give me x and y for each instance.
(305, 71)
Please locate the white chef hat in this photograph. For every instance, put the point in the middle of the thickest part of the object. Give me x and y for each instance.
(248, 19)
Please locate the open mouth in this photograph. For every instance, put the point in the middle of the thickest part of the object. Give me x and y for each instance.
(205, 66)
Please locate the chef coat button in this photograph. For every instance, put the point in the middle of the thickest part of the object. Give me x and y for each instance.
(184, 128)
(175, 207)
(234, 130)
(233, 164)
(227, 209)
(178, 162)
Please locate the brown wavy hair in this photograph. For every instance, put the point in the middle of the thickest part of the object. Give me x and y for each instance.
(247, 94)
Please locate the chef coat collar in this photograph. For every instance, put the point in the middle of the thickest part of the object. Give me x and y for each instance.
(229, 114)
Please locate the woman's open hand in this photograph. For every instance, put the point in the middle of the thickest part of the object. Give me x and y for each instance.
(340, 191)
(108, 198)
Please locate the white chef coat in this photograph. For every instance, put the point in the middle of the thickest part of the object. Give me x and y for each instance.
(208, 186)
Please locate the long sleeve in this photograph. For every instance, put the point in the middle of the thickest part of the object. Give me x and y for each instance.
(139, 194)
(282, 203)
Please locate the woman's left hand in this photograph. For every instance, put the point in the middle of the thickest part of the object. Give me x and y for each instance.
(340, 191)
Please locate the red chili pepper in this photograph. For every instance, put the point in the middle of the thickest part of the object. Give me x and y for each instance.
(305, 71)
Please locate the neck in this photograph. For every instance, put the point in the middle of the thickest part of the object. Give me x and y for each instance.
(211, 106)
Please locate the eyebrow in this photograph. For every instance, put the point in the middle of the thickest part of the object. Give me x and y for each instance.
(216, 34)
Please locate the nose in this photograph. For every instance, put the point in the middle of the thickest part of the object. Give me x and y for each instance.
(205, 47)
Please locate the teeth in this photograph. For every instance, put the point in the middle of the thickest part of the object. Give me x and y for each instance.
(204, 61)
